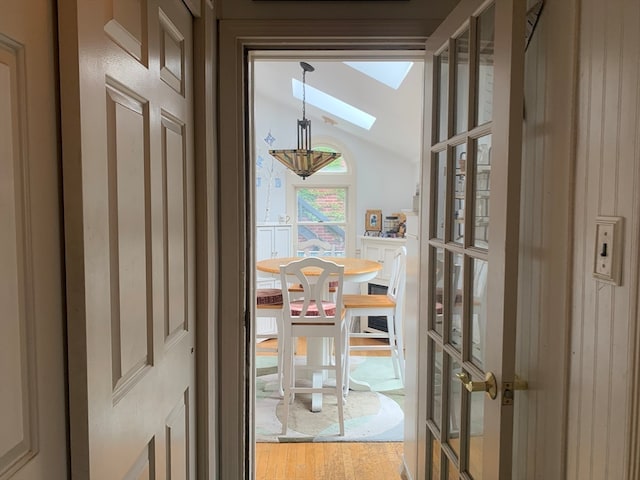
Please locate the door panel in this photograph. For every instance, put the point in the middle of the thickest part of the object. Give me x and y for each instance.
(33, 433)
(127, 111)
(472, 172)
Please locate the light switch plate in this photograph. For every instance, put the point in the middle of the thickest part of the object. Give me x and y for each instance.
(607, 258)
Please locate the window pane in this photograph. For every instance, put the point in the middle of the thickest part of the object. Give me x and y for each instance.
(436, 385)
(440, 188)
(442, 63)
(479, 311)
(321, 215)
(482, 192)
(436, 458)
(455, 296)
(484, 96)
(461, 110)
(437, 283)
(333, 235)
(337, 166)
(322, 205)
(455, 407)
(476, 434)
(459, 179)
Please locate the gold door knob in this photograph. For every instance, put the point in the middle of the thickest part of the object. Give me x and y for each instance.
(490, 386)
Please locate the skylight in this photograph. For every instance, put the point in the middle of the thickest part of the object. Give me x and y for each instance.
(391, 74)
(333, 106)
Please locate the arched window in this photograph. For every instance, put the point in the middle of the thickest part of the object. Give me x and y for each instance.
(323, 207)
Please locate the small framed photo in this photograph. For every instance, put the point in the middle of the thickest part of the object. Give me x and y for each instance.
(373, 221)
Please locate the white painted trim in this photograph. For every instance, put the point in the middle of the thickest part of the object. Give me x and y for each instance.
(237, 36)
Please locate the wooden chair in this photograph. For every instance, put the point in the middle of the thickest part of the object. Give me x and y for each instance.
(269, 304)
(390, 305)
(313, 317)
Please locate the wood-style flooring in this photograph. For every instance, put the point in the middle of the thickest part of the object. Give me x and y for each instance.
(329, 461)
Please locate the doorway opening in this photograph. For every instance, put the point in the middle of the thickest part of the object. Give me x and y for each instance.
(381, 168)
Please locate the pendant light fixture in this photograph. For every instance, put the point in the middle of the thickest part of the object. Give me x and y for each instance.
(303, 161)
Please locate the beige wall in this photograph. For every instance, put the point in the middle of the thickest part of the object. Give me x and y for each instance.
(607, 182)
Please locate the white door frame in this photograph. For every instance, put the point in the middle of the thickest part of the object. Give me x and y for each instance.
(236, 37)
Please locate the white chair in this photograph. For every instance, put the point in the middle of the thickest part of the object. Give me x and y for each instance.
(269, 304)
(390, 305)
(315, 247)
(313, 317)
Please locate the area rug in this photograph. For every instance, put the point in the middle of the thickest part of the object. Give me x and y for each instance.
(370, 416)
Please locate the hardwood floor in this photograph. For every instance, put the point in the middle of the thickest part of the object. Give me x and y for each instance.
(329, 461)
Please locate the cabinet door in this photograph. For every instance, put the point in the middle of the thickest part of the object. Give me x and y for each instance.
(264, 243)
(282, 241)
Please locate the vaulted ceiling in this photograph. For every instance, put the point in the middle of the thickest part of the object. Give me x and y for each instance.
(398, 112)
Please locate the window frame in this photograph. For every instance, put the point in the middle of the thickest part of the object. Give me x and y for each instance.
(326, 180)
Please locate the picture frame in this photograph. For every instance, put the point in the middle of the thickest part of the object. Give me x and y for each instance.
(373, 221)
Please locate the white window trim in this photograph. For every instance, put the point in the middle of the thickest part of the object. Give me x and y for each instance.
(333, 180)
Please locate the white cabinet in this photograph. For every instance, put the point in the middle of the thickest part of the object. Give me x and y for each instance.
(273, 240)
(381, 250)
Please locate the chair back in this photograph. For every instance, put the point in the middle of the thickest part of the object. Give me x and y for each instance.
(316, 248)
(313, 274)
(398, 279)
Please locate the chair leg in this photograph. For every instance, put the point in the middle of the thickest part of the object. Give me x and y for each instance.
(347, 353)
(287, 352)
(393, 346)
(280, 327)
(339, 364)
(400, 346)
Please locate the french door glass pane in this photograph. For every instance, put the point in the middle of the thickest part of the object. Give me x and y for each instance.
(476, 437)
(479, 312)
(455, 399)
(437, 283)
(462, 83)
(482, 192)
(436, 385)
(459, 181)
(453, 471)
(436, 459)
(442, 65)
(440, 189)
(455, 298)
(484, 94)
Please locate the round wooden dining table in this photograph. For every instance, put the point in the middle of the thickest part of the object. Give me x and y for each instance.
(356, 270)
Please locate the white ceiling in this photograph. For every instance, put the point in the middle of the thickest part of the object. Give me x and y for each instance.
(398, 127)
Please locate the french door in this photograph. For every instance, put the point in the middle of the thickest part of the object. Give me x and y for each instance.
(471, 171)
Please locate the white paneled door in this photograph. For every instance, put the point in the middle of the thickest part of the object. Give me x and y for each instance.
(32, 381)
(472, 169)
(127, 128)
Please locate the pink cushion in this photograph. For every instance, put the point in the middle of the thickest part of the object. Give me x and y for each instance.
(312, 310)
(269, 296)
